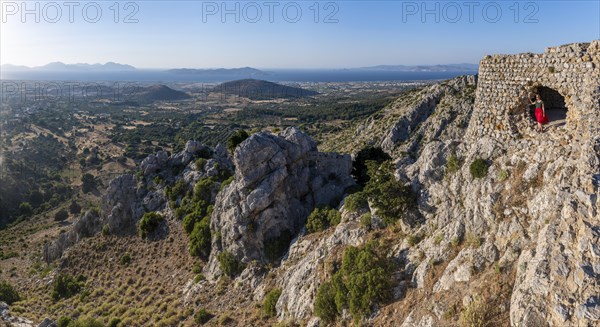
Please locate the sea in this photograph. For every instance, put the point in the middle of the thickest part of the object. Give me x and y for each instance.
(279, 75)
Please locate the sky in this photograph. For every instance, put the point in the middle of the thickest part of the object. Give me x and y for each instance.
(286, 34)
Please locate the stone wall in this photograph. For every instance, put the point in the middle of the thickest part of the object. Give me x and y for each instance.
(506, 82)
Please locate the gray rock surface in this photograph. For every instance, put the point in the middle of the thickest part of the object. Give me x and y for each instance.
(87, 225)
(6, 319)
(278, 182)
(300, 276)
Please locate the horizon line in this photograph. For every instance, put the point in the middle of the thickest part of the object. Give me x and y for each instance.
(241, 67)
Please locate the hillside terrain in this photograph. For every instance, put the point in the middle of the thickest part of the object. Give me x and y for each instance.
(261, 90)
(158, 93)
(404, 221)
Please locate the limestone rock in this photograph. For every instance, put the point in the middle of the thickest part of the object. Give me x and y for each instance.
(87, 225)
(278, 182)
(300, 270)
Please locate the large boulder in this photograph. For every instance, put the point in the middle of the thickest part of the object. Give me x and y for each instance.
(122, 205)
(278, 182)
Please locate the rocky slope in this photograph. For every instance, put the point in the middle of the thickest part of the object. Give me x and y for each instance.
(533, 215)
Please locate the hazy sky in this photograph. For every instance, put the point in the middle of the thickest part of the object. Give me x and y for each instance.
(286, 34)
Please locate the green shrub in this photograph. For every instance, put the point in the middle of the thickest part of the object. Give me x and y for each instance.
(197, 267)
(88, 182)
(227, 182)
(455, 241)
(63, 321)
(114, 322)
(202, 316)
(65, 286)
(200, 238)
(200, 163)
(61, 215)
(25, 209)
(479, 168)
(502, 175)
(74, 208)
(178, 189)
(105, 230)
(322, 218)
(198, 206)
(235, 139)
(158, 180)
(125, 259)
(198, 278)
(363, 281)
(360, 166)
(472, 240)
(365, 220)
(190, 220)
(8, 293)
(149, 223)
(477, 314)
(391, 198)
(325, 306)
(356, 202)
(414, 239)
(270, 301)
(452, 164)
(86, 322)
(229, 265)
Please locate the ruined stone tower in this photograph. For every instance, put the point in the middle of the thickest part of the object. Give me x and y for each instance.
(567, 78)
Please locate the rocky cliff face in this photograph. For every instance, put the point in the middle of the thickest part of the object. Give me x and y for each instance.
(278, 182)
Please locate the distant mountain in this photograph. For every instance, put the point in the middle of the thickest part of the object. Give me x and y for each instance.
(158, 93)
(9, 67)
(108, 67)
(262, 90)
(424, 68)
(225, 72)
(82, 67)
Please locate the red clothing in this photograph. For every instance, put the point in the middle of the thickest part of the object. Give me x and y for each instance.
(539, 115)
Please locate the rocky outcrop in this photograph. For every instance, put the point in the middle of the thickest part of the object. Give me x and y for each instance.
(128, 197)
(47, 323)
(122, 204)
(12, 321)
(278, 182)
(302, 271)
(87, 225)
(535, 212)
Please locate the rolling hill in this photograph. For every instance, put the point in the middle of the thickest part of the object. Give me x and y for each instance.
(262, 90)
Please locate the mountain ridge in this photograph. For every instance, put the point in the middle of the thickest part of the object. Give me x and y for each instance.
(60, 66)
